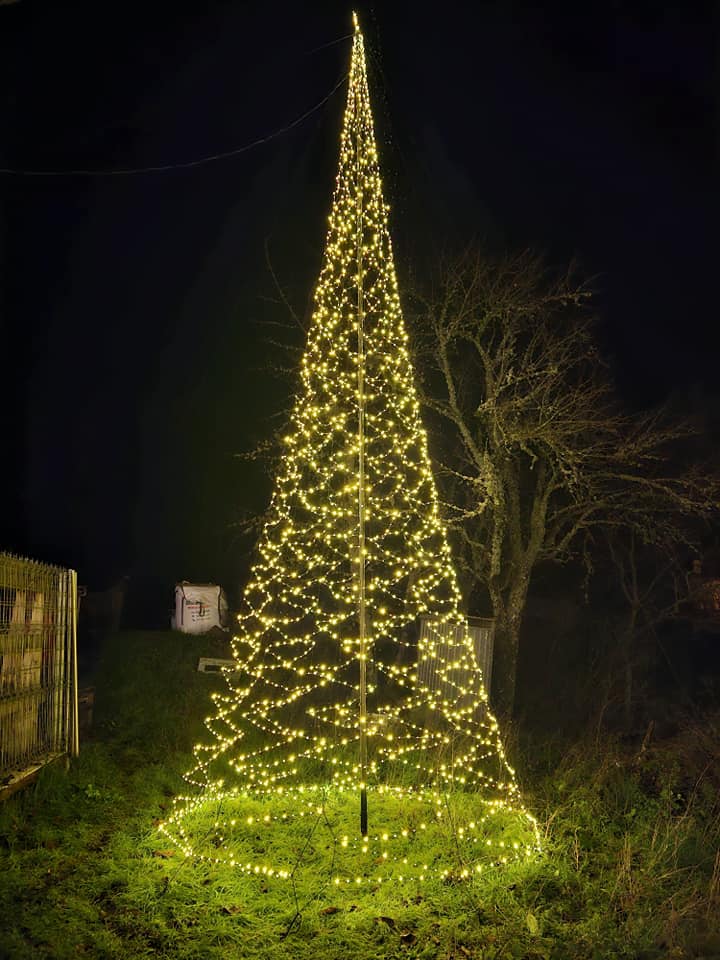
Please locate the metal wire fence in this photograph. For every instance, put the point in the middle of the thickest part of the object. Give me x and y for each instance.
(444, 644)
(38, 666)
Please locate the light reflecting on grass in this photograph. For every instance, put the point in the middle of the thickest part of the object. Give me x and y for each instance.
(314, 832)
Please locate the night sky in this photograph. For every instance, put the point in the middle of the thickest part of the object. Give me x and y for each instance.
(134, 360)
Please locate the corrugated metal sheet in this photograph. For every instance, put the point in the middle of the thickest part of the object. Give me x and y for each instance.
(445, 652)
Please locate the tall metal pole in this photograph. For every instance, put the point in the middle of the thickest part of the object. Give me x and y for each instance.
(362, 613)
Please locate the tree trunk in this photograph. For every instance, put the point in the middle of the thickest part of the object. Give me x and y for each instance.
(628, 643)
(628, 691)
(505, 661)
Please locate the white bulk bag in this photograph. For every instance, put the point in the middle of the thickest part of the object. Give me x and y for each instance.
(199, 607)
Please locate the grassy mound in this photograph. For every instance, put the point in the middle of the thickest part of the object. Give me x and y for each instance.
(149, 694)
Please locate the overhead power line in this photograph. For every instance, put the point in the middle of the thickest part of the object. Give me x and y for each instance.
(181, 165)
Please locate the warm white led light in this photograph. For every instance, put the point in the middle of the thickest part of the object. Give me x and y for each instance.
(293, 725)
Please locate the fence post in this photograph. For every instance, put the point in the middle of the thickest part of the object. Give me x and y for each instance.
(72, 643)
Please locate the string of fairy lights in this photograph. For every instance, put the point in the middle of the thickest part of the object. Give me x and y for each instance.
(289, 731)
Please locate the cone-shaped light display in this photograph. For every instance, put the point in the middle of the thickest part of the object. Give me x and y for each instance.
(340, 692)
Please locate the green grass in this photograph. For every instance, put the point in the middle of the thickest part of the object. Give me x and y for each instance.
(314, 836)
(629, 868)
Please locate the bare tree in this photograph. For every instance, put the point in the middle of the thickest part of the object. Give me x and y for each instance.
(533, 452)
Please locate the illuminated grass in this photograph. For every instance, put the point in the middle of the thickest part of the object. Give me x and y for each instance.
(629, 866)
(313, 835)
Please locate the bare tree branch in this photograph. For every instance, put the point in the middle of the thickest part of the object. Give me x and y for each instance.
(535, 454)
